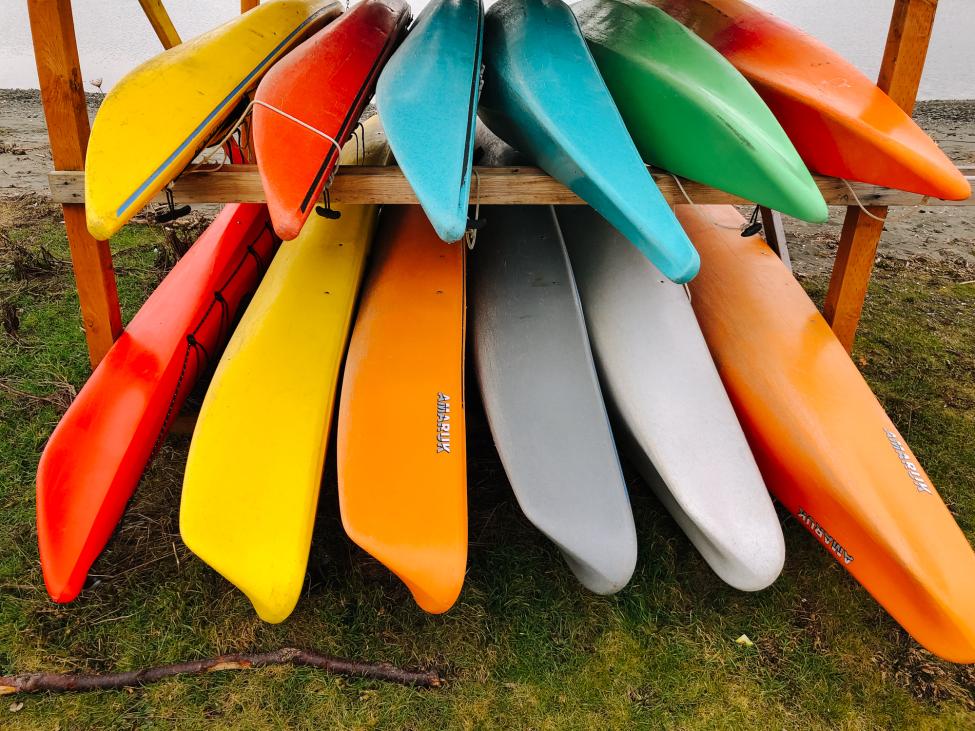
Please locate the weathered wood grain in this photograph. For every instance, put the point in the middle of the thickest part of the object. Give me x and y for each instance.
(494, 186)
(66, 112)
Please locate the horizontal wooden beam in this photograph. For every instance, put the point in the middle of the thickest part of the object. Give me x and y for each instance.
(493, 185)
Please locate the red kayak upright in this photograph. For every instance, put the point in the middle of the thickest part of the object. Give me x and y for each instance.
(839, 121)
(325, 83)
(96, 455)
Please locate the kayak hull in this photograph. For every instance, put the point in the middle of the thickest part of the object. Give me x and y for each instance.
(403, 387)
(670, 406)
(538, 75)
(690, 112)
(254, 468)
(429, 91)
(93, 461)
(825, 446)
(326, 83)
(542, 397)
(180, 99)
(840, 122)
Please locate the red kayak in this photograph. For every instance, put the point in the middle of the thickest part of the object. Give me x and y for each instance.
(96, 455)
(839, 121)
(325, 83)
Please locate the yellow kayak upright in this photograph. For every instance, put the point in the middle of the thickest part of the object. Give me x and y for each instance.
(255, 462)
(157, 118)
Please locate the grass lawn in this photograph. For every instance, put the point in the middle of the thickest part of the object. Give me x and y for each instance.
(526, 646)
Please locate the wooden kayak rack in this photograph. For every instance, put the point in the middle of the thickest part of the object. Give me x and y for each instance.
(66, 111)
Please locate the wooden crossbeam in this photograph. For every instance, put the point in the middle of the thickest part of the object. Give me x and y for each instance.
(492, 185)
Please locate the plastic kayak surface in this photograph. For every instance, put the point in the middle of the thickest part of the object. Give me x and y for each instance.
(544, 96)
(403, 388)
(671, 409)
(255, 462)
(326, 83)
(157, 118)
(96, 455)
(542, 398)
(823, 442)
(690, 112)
(427, 96)
(837, 118)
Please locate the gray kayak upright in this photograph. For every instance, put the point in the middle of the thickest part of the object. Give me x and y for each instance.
(542, 397)
(670, 408)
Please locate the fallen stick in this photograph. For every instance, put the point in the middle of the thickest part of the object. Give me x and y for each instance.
(76, 682)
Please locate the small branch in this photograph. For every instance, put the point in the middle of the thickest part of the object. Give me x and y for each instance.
(76, 682)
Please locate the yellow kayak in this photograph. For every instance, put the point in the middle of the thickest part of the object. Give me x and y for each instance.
(255, 462)
(156, 119)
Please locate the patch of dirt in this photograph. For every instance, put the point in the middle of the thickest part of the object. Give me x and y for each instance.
(923, 675)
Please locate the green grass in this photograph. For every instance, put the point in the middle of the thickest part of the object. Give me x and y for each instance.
(525, 647)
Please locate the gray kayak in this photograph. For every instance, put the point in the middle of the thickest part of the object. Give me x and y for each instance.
(671, 410)
(542, 397)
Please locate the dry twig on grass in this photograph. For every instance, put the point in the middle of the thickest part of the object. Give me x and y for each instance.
(75, 682)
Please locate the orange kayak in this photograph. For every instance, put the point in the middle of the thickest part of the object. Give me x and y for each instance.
(837, 118)
(403, 389)
(825, 446)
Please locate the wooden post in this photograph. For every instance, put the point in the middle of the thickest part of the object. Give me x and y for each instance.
(160, 21)
(774, 233)
(900, 77)
(246, 5)
(66, 112)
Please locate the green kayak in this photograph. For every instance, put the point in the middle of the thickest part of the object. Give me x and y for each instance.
(691, 112)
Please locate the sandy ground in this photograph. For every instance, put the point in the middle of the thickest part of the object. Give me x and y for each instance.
(933, 232)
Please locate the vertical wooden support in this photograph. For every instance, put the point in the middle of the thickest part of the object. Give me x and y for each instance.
(246, 5)
(900, 77)
(774, 233)
(66, 112)
(160, 21)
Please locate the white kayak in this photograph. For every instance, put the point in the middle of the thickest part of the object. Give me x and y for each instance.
(670, 408)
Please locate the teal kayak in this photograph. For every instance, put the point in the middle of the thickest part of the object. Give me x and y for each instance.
(544, 96)
(691, 112)
(427, 100)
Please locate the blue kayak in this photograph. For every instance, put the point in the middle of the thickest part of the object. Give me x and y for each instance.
(544, 96)
(427, 99)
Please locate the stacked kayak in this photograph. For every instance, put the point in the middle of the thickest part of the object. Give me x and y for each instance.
(403, 388)
(307, 105)
(96, 455)
(690, 112)
(671, 409)
(839, 121)
(427, 96)
(156, 119)
(538, 77)
(541, 393)
(259, 445)
(828, 451)
(542, 397)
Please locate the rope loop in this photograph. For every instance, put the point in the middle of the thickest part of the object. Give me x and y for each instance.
(698, 207)
(240, 120)
(470, 235)
(861, 206)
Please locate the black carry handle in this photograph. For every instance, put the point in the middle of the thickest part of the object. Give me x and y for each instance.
(171, 212)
